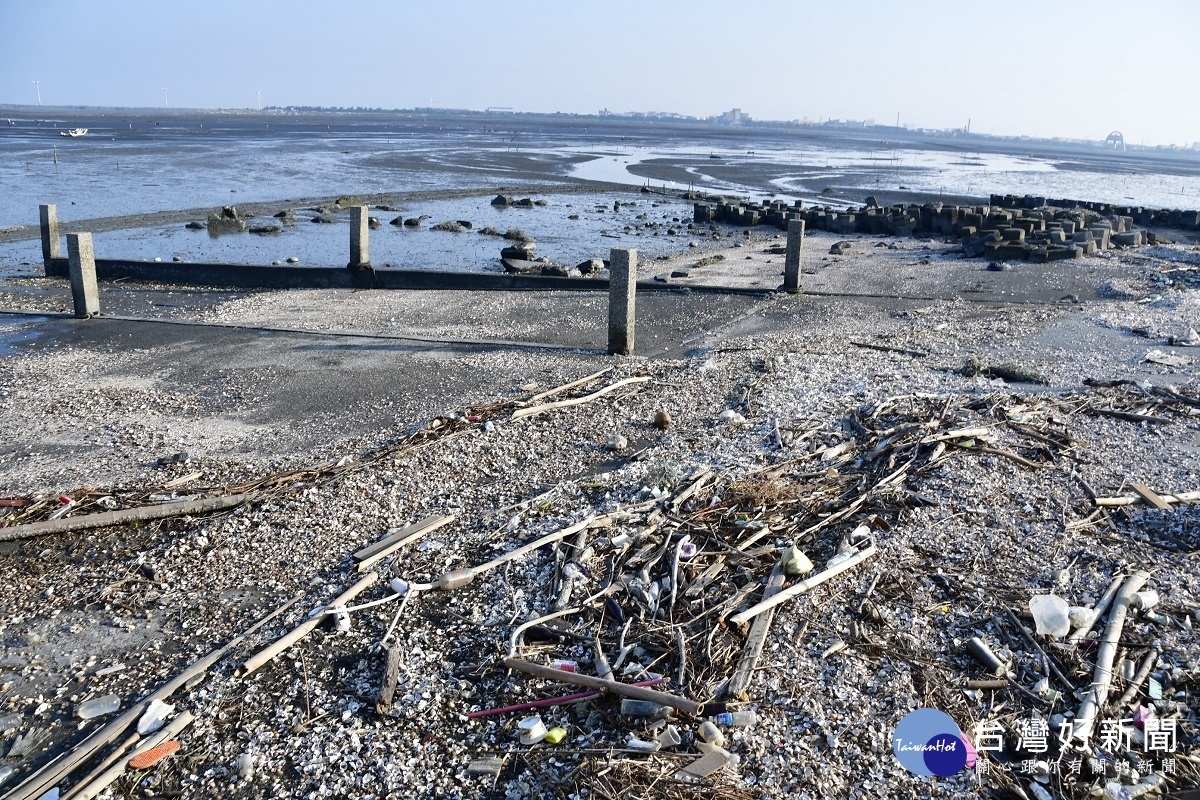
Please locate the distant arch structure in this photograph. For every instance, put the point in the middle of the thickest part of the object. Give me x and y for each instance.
(1116, 141)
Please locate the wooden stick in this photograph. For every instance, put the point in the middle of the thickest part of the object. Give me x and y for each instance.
(612, 387)
(1101, 607)
(1140, 677)
(536, 543)
(623, 689)
(1093, 703)
(373, 554)
(108, 518)
(1149, 495)
(740, 682)
(566, 386)
(391, 674)
(1048, 658)
(90, 787)
(1133, 499)
(1128, 416)
(267, 654)
(55, 771)
(804, 585)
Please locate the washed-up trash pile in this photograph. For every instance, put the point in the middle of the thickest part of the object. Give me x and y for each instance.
(639, 670)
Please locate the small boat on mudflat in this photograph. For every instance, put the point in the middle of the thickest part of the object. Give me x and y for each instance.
(74, 132)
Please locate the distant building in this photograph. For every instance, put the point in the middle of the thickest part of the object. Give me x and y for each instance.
(734, 116)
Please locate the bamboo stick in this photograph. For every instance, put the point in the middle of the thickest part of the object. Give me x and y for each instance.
(53, 773)
(616, 687)
(804, 585)
(267, 654)
(1093, 703)
(108, 518)
(1133, 499)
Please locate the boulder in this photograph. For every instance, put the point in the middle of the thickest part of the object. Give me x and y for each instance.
(524, 202)
(325, 219)
(347, 200)
(521, 252)
(871, 202)
(465, 223)
(397, 221)
(840, 248)
(412, 222)
(373, 223)
(502, 200)
(219, 223)
(262, 230)
(590, 267)
(519, 266)
(448, 225)
(195, 226)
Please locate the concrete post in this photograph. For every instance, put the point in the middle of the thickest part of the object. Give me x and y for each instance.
(360, 246)
(51, 247)
(83, 274)
(791, 263)
(622, 300)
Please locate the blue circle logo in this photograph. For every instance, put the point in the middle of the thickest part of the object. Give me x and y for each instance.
(928, 742)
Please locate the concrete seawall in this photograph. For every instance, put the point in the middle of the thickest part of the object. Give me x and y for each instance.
(249, 276)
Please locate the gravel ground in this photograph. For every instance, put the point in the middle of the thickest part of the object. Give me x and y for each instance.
(986, 534)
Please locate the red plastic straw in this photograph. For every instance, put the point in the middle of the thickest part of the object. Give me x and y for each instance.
(550, 701)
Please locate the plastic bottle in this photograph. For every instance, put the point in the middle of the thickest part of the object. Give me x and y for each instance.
(711, 733)
(736, 719)
(455, 579)
(98, 706)
(565, 664)
(640, 708)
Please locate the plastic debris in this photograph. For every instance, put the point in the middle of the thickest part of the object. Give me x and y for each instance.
(149, 758)
(1050, 615)
(98, 706)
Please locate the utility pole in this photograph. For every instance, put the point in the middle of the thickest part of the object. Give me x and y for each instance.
(164, 97)
(38, 86)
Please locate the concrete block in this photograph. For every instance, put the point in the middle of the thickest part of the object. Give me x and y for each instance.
(51, 244)
(622, 300)
(791, 263)
(82, 259)
(360, 232)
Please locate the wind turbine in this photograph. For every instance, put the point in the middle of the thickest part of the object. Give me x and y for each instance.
(164, 90)
(260, 99)
(38, 85)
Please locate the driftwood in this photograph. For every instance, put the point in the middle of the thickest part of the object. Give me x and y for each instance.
(1149, 495)
(108, 518)
(391, 674)
(1133, 499)
(371, 555)
(1101, 607)
(268, 653)
(90, 787)
(804, 585)
(1140, 677)
(55, 771)
(566, 386)
(1093, 702)
(616, 687)
(612, 387)
(740, 682)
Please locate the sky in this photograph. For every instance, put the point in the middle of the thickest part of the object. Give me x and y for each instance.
(1065, 68)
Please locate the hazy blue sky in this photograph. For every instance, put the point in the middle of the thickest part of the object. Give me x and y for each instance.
(1077, 69)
